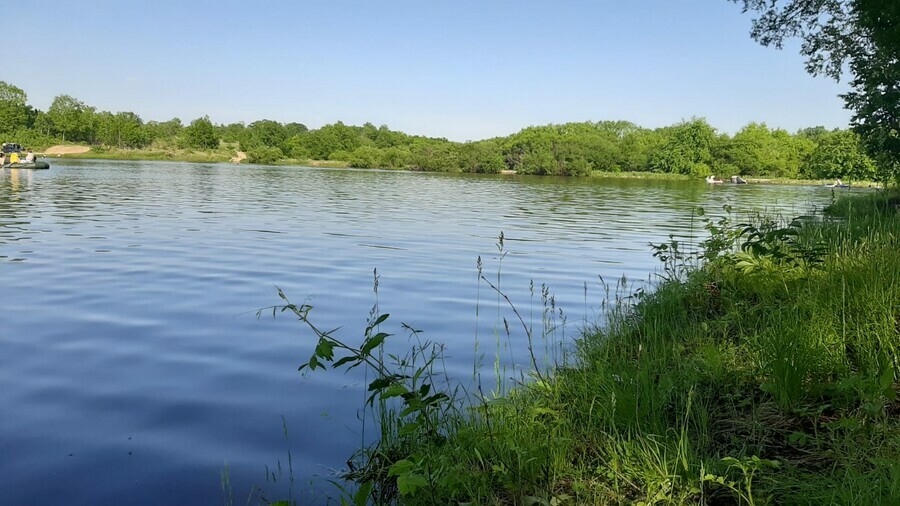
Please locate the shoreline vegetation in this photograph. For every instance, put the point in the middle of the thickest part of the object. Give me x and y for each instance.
(690, 148)
(761, 369)
(230, 154)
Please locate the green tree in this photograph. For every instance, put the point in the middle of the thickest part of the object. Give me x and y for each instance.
(840, 155)
(861, 36)
(14, 111)
(232, 132)
(365, 157)
(292, 129)
(295, 147)
(436, 155)
(814, 134)
(201, 134)
(324, 142)
(396, 157)
(757, 150)
(686, 150)
(67, 116)
(264, 154)
(122, 130)
(483, 157)
(875, 95)
(263, 133)
(156, 130)
(42, 123)
(635, 149)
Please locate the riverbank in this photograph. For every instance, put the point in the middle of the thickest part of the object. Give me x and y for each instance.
(149, 154)
(768, 375)
(226, 153)
(230, 154)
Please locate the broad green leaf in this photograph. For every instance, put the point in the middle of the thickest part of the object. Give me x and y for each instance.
(410, 482)
(374, 342)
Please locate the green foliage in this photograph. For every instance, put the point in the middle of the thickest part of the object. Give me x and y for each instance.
(233, 132)
(201, 134)
(122, 130)
(340, 155)
(687, 149)
(14, 111)
(262, 133)
(264, 155)
(690, 148)
(33, 139)
(163, 130)
(756, 150)
(840, 155)
(365, 157)
(434, 156)
(403, 387)
(484, 157)
(70, 118)
(395, 157)
(859, 36)
(725, 385)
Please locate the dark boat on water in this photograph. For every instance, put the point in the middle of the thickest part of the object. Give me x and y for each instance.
(27, 165)
(8, 148)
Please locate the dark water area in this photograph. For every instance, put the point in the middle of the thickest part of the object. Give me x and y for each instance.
(134, 369)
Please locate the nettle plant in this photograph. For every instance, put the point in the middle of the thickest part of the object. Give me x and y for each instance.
(403, 391)
(763, 245)
(415, 403)
(768, 246)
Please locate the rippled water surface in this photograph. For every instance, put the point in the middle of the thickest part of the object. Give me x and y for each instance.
(133, 366)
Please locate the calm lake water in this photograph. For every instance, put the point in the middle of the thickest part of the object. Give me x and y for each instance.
(133, 366)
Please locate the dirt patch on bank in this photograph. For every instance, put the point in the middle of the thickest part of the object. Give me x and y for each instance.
(239, 157)
(66, 150)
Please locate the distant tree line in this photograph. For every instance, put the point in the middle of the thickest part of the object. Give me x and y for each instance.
(691, 147)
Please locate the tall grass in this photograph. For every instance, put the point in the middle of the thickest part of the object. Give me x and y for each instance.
(762, 369)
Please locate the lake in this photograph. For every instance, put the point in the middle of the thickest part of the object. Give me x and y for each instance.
(134, 369)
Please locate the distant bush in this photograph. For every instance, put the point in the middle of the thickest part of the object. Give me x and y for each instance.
(341, 155)
(201, 134)
(365, 157)
(264, 155)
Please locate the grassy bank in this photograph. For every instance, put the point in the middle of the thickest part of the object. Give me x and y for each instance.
(764, 370)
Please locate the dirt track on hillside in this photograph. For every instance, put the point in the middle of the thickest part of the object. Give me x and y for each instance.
(66, 150)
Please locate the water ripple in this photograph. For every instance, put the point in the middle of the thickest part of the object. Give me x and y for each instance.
(130, 348)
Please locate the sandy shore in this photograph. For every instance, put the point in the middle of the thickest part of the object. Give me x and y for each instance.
(66, 150)
(240, 157)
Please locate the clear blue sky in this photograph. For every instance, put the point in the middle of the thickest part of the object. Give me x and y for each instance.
(462, 69)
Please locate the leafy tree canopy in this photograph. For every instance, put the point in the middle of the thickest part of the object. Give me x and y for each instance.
(14, 110)
(201, 134)
(862, 36)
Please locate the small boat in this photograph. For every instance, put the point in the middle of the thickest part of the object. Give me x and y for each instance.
(837, 186)
(8, 148)
(28, 165)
